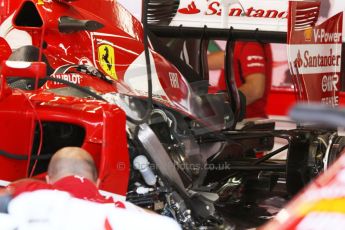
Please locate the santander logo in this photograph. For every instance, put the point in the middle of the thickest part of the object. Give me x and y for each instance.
(298, 61)
(215, 8)
(312, 58)
(190, 9)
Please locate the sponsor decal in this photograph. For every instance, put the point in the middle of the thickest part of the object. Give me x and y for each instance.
(85, 61)
(298, 62)
(314, 53)
(71, 77)
(190, 9)
(174, 80)
(308, 34)
(255, 61)
(237, 10)
(40, 2)
(103, 56)
(215, 8)
(106, 59)
(316, 58)
(330, 83)
(267, 15)
(255, 65)
(255, 58)
(322, 36)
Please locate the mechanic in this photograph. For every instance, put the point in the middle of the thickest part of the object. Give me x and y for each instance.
(253, 69)
(72, 170)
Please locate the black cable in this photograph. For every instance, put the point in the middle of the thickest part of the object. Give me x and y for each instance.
(24, 157)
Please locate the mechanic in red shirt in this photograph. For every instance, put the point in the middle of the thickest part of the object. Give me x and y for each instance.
(253, 69)
(71, 170)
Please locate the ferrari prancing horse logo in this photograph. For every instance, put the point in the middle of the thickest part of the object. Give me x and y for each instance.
(106, 58)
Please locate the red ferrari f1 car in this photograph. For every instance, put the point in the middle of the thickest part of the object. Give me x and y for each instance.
(91, 75)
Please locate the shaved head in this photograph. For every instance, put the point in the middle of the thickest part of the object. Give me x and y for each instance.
(71, 161)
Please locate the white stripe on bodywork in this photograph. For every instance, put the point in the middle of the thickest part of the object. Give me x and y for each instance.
(14, 37)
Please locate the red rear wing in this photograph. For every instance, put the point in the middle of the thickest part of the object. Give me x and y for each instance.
(247, 19)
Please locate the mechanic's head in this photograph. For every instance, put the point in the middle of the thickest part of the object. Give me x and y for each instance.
(71, 161)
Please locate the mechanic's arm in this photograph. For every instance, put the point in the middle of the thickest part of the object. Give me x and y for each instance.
(215, 60)
(254, 87)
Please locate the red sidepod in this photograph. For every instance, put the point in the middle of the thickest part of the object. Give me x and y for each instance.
(104, 125)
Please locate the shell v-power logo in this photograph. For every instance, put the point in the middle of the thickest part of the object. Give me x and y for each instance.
(308, 33)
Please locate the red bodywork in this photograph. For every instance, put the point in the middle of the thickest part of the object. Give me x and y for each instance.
(20, 111)
(121, 34)
(281, 99)
(119, 42)
(104, 124)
